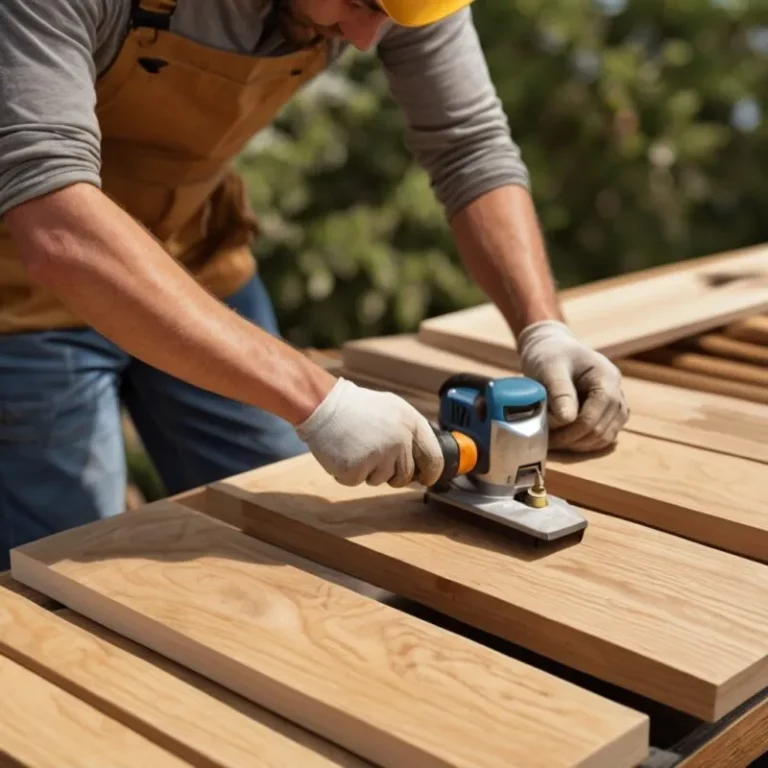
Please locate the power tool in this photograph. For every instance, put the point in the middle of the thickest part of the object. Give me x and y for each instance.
(494, 436)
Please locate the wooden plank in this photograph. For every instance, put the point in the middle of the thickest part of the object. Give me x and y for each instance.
(735, 743)
(720, 345)
(626, 318)
(690, 380)
(196, 498)
(708, 365)
(710, 498)
(181, 711)
(7, 582)
(750, 329)
(43, 726)
(386, 686)
(667, 618)
(715, 422)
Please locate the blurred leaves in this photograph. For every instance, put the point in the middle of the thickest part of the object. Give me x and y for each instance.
(643, 126)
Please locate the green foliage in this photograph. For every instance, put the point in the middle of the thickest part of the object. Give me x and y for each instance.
(641, 124)
(143, 474)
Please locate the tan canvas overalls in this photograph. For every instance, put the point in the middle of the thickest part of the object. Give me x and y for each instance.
(173, 115)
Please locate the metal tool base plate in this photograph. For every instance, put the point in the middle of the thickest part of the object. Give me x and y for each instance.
(556, 520)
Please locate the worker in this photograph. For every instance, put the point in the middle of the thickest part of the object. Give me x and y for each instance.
(126, 270)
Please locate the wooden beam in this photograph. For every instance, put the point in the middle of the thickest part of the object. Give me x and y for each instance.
(693, 381)
(183, 712)
(625, 318)
(718, 368)
(720, 345)
(735, 742)
(750, 329)
(387, 687)
(43, 726)
(667, 618)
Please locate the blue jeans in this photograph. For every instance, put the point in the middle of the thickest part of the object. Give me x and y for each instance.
(62, 461)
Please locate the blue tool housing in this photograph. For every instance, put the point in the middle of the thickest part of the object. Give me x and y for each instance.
(471, 404)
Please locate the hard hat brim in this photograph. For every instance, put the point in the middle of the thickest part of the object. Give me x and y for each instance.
(418, 13)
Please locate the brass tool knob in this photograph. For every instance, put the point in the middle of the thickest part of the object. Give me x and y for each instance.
(537, 493)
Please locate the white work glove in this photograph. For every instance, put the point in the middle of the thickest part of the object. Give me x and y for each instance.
(587, 407)
(361, 435)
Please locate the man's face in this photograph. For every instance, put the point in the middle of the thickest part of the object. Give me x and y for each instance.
(360, 22)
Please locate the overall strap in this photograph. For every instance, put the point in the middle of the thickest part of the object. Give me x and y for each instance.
(152, 13)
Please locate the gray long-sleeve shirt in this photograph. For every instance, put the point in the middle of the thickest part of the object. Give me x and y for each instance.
(52, 52)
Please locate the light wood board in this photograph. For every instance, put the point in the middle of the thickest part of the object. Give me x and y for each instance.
(626, 318)
(715, 422)
(43, 726)
(708, 497)
(8, 583)
(667, 618)
(178, 709)
(391, 688)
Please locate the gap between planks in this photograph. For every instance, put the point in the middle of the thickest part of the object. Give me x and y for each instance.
(179, 710)
(45, 726)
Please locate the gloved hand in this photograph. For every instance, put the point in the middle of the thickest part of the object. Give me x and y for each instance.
(361, 435)
(586, 402)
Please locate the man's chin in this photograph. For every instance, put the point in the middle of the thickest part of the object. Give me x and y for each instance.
(299, 29)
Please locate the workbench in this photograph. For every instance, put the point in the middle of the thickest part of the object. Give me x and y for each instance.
(677, 740)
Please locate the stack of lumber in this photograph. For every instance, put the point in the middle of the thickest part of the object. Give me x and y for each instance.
(276, 618)
(729, 360)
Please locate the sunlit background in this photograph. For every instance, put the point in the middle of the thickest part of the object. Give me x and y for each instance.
(642, 123)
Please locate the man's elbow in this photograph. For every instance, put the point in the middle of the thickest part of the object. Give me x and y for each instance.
(464, 174)
(43, 229)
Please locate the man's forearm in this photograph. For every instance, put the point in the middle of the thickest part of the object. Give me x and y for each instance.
(500, 242)
(111, 273)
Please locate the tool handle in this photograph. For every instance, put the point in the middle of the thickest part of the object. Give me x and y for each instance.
(459, 453)
(465, 380)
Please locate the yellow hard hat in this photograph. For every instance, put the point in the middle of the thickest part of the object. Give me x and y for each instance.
(417, 13)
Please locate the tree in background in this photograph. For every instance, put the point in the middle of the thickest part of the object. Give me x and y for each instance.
(642, 124)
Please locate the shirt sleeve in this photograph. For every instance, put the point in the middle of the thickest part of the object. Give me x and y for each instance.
(49, 133)
(455, 124)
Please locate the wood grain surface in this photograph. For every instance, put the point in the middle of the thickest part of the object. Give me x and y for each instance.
(43, 726)
(626, 318)
(673, 620)
(178, 709)
(8, 583)
(715, 422)
(704, 496)
(391, 688)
